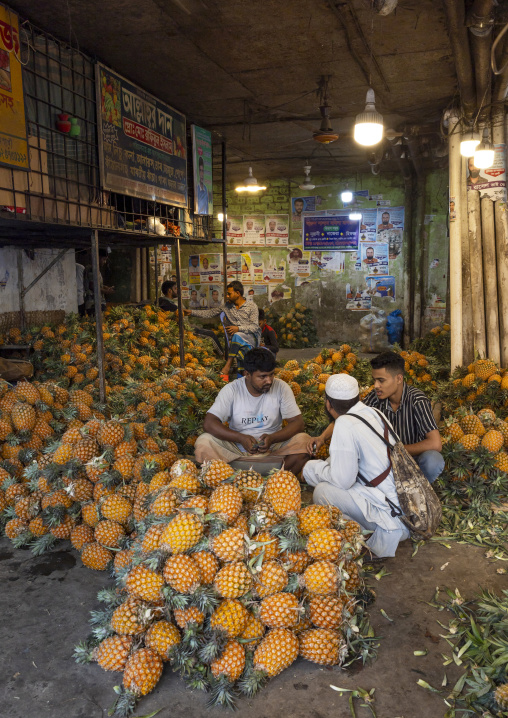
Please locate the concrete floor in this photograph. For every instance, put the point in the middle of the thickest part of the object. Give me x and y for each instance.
(45, 602)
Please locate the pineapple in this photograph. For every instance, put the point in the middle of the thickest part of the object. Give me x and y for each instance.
(501, 461)
(265, 545)
(326, 612)
(226, 501)
(186, 617)
(501, 696)
(185, 482)
(230, 617)
(295, 561)
(484, 368)
(250, 484)
(183, 466)
(280, 610)
(96, 556)
(322, 577)
(276, 652)
(272, 578)
(182, 573)
(182, 533)
(109, 533)
(253, 633)
(152, 537)
(283, 493)
(142, 671)
(162, 637)
(164, 503)
(487, 417)
(502, 427)
(229, 545)
(233, 580)
(471, 424)
(215, 472)
(314, 517)
(23, 416)
(81, 535)
(113, 652)
(493, 441)
(325, 544)
(231, 662)
(208, 565)
(131, 617)
(320, 645)
(116, 508)
(469, 441)
(142, 582)
(111, 434)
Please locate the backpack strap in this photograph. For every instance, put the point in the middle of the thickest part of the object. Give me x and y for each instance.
(378, 479)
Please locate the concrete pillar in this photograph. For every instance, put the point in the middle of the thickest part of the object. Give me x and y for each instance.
(467, 298)
(455, 268)
(490, 279)
(476, 263)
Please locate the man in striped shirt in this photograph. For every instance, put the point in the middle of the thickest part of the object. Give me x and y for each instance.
(407, 409)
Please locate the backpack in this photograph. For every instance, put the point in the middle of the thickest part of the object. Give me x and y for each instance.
(420, 508)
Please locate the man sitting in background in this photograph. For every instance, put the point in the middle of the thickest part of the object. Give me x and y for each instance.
(255, 407)
(407, 409)
(356, 451)
(169, 300)
(268, 335)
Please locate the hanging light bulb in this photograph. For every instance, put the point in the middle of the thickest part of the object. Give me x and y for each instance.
(369, 123)
(355, 215)
(469, 142)
(250, 184)
(346, 196)
(220, 217)
(484, 153)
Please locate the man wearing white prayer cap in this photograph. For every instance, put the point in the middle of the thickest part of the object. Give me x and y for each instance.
(355, 449)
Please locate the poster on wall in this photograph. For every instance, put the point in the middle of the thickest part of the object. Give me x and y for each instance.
(389, 219)
(299, 205)
(358, 300)
(254, 229)
(381, 286)
(194, 269)
(278, 293)
(257, 267)
(305, 281)
(255, 290)
(198, 297)
(142, 149)
(277, 230)
(234, 229)
(368, 225)
(13, 135)
(372, 258)
(492, 181)
(274, 270)
(184, 279)
(202, 166)
(210, 268)
(215, 296)
(331, 233)
(239, 267)
(298, 262)
(328, 261)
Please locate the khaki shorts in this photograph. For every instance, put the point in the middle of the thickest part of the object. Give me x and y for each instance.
(208, 448)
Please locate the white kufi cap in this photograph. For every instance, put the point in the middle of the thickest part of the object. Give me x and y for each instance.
(342, 386)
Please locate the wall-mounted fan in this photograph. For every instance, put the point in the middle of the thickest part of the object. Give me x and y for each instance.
(307, 181)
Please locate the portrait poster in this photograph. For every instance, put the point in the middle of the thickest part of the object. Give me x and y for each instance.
(328, 261)
(275, 294)
(198, 297)
(372, 258)
(299, 262)
(330, 234)
(389, 218)
(490, 182)
(210, 268)
(234, 266)
(305, 281)
(255, 290)
(253, 229)
(358, 300)
(13, 134)
(142, 142)
(234, 230)
(215, 296)
(257, 267)
(381, 286)
(202, 169)
(276, 230)
(194, 269)
(300, 205)
(368, 225)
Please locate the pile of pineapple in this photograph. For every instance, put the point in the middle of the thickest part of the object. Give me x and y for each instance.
(69, 472)
(481, 385)
(140, 344)
(228, 580)
(296, 329)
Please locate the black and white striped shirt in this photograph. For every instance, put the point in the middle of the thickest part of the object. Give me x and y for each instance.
(413, 419)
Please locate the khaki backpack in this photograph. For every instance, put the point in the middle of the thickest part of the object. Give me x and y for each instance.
(420, 508)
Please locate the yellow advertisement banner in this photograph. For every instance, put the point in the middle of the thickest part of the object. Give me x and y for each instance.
(13, 137)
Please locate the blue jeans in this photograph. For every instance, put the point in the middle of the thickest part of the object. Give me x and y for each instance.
(431, 464)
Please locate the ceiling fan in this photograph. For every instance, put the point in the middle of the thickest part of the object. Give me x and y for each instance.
(307, 181)
(325, 134)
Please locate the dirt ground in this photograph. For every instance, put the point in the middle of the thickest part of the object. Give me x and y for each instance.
(45, 603)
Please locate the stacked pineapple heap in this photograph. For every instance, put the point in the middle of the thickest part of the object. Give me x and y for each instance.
(67, 472)
(228, 579)
(140, 344)
(481, 385)
(296, 328)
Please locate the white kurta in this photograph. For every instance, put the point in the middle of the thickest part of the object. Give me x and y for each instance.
(354, 449)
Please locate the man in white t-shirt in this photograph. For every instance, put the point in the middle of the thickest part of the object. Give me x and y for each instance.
(255, 407)
(356, 450)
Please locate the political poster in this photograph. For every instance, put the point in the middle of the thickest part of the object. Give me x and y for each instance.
(381, 286)
(328, 261)
(490, 182)
(389, 219)
(257, 267)
(253, 229)
(299, 262)
(215, 296)
(13, 134)
(194, 269)
(142, 146)
(255, 290)
(300, 205)
(202, 166)
(276, 230)
(372, 258)
(274, 270)
(198, 297)
(234, 230)
(210, 268)
(368, 225)
(358, 300)
(331, 233)
(278, 293)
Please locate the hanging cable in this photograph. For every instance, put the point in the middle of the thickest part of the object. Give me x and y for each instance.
(493, 63)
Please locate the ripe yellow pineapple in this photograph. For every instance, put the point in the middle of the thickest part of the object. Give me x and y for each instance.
(185, 617)
(493, 441)
(108, 533)
(96, 556)
(501, 696)
(113, 652)
(322, 577)
(182, 573)
(142, 671)
(144, 583)
(326, 612)
(229, 545)
(314, 517)
(183, 466)
(23, 416)
(230, 616)
(253, 633)
(469, 441)
(320, 645)
(501, 461)
(325, 544)
(226, 501)
(233, 580)
(185, 482)
(283, 493)
(231, 662)
(484, 368)
(278, 650)
(116, 508)
(131, 617)
(272, 578)
(162, 637)
(215, 472)
(280, 610)
(250, 484)
(208, 565)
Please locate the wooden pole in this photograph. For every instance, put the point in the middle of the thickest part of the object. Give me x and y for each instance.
(143, 274)
(501, 219)
(455, 267)
(467, 297)
(417, 264)
(224, 231)
(21, 289)
(476, 263)
(490, 279)
(181, 329)
(101, 363)
(156, 271)
(138, 276)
